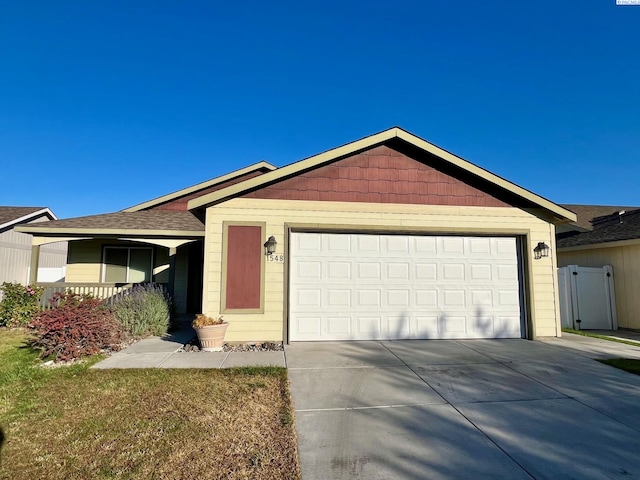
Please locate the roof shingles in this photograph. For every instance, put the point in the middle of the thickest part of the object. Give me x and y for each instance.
(9, 214)
(613, 229)
(146, 220)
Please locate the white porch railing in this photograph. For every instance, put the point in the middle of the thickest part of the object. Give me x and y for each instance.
(105, 291)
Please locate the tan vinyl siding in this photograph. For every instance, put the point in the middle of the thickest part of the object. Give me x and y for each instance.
(626, 276)
(374, 217)
(84, 261)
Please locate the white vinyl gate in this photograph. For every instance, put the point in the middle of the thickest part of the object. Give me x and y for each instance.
(587, 300)
(366, 286)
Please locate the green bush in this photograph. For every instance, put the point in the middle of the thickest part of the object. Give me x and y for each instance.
(144, 310)
(19, 304)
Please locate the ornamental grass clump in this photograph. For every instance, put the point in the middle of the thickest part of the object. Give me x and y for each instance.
(19, 304)
(76, 326)
(144, 310)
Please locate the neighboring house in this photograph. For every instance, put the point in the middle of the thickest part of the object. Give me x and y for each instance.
(608, 236)
(15, 247)
(386, 237)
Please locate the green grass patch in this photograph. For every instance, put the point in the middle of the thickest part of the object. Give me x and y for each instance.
(75, 423)
(630, 365)
(585, 333)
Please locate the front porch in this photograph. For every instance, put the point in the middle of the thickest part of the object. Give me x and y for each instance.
(106, 266)
(108, 253)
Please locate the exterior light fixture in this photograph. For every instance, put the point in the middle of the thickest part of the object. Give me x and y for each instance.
(270, 246)
(541, 250)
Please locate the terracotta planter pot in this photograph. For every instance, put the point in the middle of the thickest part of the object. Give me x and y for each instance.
(211, 337)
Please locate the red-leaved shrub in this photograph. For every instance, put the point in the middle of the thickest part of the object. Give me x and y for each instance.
(76, 326)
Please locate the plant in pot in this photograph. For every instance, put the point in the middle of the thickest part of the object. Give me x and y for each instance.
(210, 332)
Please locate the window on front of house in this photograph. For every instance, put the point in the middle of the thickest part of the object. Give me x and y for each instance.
(127, 264)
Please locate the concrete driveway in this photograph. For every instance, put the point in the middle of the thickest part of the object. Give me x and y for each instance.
(474, 409)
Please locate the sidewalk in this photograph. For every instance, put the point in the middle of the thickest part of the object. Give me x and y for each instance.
(164, 352)
(595, 347)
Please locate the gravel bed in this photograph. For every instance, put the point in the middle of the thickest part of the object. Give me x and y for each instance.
(194, 346)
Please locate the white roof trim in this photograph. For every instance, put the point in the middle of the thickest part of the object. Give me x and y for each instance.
(199, 186)
(395, 132)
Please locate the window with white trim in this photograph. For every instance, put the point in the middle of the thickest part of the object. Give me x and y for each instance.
(127, 264)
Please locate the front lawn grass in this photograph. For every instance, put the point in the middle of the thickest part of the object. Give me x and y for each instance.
(75, 423)
(630, 365)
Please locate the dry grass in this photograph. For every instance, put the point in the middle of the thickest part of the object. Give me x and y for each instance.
(75, 423)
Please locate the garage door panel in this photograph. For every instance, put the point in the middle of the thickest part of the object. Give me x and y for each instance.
(426, 327)
(426, 299)
(482, 297)
(480, 272)
(368, 327)
(337, 243)
(309, 298)
(396, 244)
(364, 287)
(368, 244)
(368, 298)
(397, 327)
(479, 246)
(339, 298)
(453, 272)
(398, 299)
(506, 272)
(425, 245)
(308, 270)
(451, 246)
(339, 325)
(426, 271)
(338, 271)
(308, 244)
(398, 271)
(368, 270)
(452, 325)
(308, 326)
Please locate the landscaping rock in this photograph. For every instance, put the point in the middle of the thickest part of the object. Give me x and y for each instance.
(194, 346)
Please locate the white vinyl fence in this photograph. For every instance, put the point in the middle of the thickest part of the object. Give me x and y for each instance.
(587, 299)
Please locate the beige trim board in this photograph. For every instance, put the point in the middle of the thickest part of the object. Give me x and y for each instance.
(223, 286)
(401, 230)
(47, 240)
(199, 186)
(161, 242)
(82, 232)
(560, 213)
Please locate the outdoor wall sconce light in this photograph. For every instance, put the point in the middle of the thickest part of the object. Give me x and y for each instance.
(541, 250)
(270, 246)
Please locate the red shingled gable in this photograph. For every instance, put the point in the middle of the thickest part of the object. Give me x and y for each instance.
(378, 175)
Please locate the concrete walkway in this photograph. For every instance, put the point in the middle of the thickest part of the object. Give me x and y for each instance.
(164, 352)
(510, 409)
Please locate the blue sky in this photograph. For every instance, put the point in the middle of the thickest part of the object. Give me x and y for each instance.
(107, 104)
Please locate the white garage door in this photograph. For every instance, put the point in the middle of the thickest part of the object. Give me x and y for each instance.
(365, 287)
